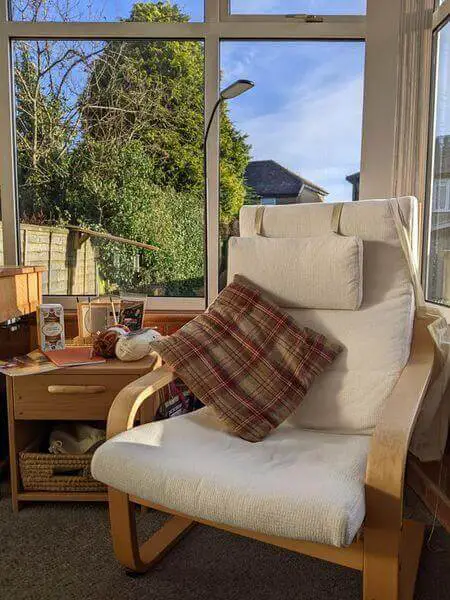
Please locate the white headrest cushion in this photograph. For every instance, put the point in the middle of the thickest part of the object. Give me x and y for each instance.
(324, 272)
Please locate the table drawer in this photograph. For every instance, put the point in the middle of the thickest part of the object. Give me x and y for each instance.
(66, 397)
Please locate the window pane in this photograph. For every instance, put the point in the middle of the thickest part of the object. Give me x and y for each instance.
(438, 269)
(299, 127)
(109, 138)
(106, 10)
(287, 7)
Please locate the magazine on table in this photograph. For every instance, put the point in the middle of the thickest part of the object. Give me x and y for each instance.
(32, 363)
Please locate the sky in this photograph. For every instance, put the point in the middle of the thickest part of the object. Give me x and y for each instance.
(305, 111)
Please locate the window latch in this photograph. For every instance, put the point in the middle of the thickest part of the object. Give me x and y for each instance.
(313, 19)
(306, 18)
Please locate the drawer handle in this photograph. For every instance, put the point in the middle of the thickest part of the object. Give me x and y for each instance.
(76, 389)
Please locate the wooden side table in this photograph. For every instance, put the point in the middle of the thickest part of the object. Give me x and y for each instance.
(83, 393)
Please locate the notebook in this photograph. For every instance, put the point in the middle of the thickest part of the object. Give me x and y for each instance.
(73, 356)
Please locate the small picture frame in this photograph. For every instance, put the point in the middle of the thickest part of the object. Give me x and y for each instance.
(132, 311)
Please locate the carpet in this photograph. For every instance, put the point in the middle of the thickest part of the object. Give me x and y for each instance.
(61, 551)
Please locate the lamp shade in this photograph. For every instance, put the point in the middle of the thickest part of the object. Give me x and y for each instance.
(236, 89)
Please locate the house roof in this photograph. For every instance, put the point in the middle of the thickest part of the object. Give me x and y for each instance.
(269, 179)
(442, 156)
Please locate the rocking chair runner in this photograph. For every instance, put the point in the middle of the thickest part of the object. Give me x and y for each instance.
(188, 466)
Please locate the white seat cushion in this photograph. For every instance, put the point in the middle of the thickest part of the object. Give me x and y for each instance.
(302, 485)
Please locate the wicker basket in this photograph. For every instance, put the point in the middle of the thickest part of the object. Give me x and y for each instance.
(58, 472)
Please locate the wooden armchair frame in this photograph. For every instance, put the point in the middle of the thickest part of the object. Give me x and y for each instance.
(387, 552)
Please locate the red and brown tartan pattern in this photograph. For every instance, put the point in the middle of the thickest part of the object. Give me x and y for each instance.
(247, 359)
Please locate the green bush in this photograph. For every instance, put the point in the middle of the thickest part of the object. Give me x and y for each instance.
(112, 191)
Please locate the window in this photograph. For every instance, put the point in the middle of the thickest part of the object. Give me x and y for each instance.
(104, 10)
(109, 140)
(438, 248)
(84, 153)
(283, 7)
(299, 127)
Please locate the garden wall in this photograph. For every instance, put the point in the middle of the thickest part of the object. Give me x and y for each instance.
(71, 268)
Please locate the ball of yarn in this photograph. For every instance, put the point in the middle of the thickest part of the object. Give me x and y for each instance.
(136, 345)
(105, 341)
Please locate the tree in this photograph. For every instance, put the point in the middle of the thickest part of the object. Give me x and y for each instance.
(42, 142)
(49, 79)
(153, 91)
(121, 148)
(113, 190)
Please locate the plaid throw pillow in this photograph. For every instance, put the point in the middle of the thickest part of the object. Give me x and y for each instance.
(247, 359)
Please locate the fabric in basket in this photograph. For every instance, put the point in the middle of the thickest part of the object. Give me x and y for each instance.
(247, 359)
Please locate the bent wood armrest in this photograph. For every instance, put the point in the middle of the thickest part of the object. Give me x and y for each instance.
(385, 475)
(128, 401)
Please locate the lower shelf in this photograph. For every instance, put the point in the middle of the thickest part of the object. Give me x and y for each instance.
(62, 497)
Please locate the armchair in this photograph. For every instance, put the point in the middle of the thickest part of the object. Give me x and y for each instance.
(332, 492)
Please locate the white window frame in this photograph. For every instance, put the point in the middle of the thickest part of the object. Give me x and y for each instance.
(441, 18)
(379, 30)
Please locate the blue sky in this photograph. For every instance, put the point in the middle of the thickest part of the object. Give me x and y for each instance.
(305, 110)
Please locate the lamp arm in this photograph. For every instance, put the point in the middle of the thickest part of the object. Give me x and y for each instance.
(208, 127)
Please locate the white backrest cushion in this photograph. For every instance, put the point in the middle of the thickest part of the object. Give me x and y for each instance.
(350, 395)
(322, 271)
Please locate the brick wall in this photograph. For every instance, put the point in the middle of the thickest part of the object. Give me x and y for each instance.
(71, 268)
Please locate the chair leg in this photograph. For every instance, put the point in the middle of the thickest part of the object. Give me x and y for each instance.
(391, 561)
(124, 535)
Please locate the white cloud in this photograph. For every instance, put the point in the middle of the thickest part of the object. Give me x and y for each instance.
(316, 134)
(238, 65)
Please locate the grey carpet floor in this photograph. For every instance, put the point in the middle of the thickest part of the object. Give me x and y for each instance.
(63, 551)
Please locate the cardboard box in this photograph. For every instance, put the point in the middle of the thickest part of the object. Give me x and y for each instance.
(50, 322)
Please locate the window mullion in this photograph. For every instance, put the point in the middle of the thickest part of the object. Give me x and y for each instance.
(212, 11)
(8, 196)
(224, 8)
(381, 95)
(91, 30)
(212, 82)
(3, 10)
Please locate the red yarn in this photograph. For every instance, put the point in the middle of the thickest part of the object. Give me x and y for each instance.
(105, 341)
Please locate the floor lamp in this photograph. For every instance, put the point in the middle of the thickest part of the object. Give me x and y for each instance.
(232, 91)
